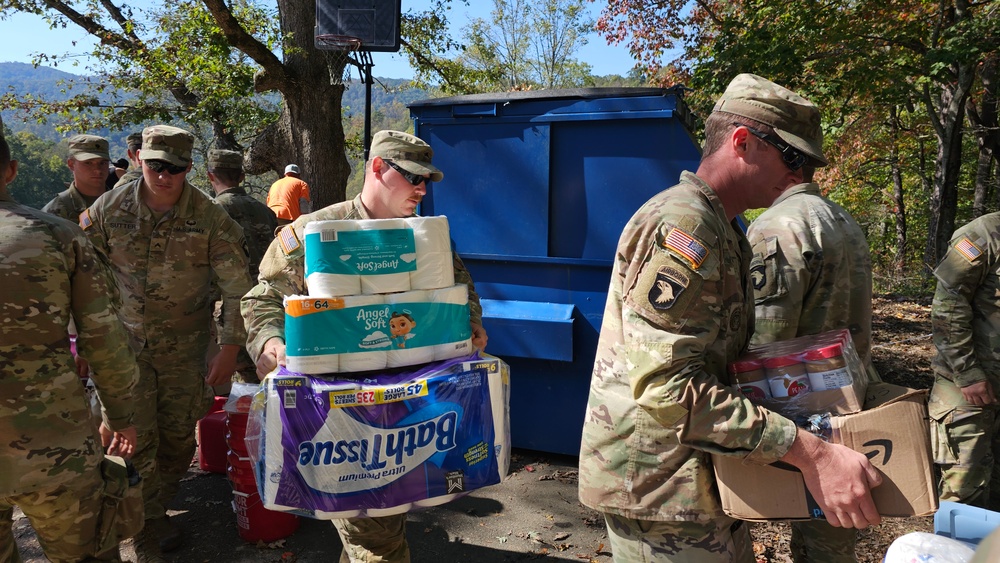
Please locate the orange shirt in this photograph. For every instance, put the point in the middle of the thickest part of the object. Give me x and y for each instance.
(284, 195)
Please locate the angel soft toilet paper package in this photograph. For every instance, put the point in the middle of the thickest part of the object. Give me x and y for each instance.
(372, 332)
(383, 444)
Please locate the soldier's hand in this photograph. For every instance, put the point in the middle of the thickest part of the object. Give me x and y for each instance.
(82, 367)
(839, 478)
(223, 365)
(119, 443)
(271, 357)
(479, 337)
(979, 394)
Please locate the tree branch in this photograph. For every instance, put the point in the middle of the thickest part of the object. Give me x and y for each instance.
(274, 71)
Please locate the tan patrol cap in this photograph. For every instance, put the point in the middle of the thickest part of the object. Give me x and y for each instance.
(409, 152)
(795, 119)
(163, 142)
(88, 147)
(220, 158)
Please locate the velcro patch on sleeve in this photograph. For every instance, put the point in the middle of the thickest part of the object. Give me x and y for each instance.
(667, 287)
(687, 246)
(288, 239)
(968, 249)
(85, 220)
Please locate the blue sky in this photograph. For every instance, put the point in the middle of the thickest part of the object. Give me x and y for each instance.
(22, 35)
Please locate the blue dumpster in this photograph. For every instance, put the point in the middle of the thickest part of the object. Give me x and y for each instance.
(537, 188)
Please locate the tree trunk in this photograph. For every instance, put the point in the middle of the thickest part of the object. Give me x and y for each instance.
(947, 115)
(983, 117)
(899, 203)
(310, 131)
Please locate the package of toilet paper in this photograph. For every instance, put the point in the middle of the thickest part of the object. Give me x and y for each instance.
(377, 256)
(358, 333)
(384, 444)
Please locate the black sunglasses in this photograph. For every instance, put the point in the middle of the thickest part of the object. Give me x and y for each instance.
(793, 158)
(410, 177)
(162, 165)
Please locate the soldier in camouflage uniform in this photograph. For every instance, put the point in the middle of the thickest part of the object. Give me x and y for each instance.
(225, 172)
(88, 161)
(811, 273)
(166, 242)
(679, 309)
(397, 160)
(49, 461)
(133, 143)
(965, 318)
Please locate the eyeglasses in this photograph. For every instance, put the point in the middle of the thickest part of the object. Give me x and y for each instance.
(159, 166)
(410, 177)
(793, 158)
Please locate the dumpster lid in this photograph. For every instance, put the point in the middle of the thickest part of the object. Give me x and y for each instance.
(567, 93)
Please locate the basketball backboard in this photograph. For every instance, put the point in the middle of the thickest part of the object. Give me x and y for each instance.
(374, 22)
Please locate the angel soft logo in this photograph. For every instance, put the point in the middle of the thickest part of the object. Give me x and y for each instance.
(371, 457)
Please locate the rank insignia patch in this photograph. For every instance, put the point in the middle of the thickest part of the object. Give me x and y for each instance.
(966, 248)
(685, 245)
(289, 242)
(668, 286)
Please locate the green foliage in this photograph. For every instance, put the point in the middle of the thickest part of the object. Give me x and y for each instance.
(42, 170)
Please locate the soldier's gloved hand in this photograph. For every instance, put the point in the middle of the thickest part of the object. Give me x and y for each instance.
(979, 394)
(272, 356)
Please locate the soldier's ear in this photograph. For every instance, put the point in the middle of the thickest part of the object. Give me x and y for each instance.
(11, 173)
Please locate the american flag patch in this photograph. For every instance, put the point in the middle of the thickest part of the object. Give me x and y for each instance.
(685, 245)
(289, 242)
(966, 248)
(85, 219)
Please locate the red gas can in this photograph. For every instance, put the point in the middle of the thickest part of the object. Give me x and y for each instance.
(210, 433)
(256, 523)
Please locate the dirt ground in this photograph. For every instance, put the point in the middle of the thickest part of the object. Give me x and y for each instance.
(534, 514)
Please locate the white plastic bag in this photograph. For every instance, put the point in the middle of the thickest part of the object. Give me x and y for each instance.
(928, 548)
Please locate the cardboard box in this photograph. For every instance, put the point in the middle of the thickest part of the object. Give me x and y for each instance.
(892, 431)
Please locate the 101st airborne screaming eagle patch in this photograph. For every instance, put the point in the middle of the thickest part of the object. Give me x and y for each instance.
(667, 288)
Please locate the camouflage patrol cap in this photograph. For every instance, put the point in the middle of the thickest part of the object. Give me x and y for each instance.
(409, 152)
(134, 140)
(163, 142)
(219, 159)
(795, 119)
(88, 147)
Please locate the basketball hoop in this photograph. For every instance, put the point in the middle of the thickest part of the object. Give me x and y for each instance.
(334, 42)
(341, 47)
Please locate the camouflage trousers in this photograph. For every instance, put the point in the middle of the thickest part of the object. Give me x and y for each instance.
(65, 520)
(373, 540)
(964, 442)
(640, 541)
(169, 399)
(816, 541)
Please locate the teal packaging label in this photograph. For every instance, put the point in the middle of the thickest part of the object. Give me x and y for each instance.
(325, 326)
(363, 253)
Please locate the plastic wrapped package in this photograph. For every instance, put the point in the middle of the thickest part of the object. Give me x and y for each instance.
(382, 444)
(805, 376)
(358, 333)
(928, 548)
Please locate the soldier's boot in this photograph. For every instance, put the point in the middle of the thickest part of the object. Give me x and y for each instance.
(147, 545)
(171, 535)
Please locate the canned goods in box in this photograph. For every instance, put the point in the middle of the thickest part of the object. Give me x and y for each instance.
(827, 368)
(751, 379)
(787, 376)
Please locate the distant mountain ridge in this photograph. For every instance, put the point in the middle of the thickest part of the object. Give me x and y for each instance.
(46, 82)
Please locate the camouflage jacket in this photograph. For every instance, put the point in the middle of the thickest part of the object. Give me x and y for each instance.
(678, 311)
(257, 220)
(130, 175)
(68, 204)
(282, 272)
(811, 270)
(965, 314)
(49, 271)
(164, 269)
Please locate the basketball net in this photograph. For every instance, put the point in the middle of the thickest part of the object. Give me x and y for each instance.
(342, 49)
